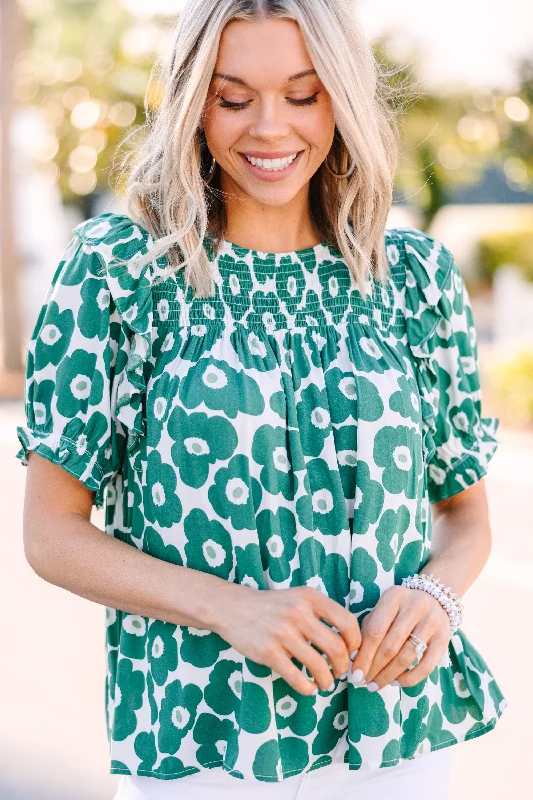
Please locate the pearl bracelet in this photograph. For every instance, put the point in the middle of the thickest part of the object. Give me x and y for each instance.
(448, 599)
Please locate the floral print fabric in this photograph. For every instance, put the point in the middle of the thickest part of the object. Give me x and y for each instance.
(284, 432)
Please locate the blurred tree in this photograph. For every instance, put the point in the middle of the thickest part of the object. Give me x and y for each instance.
(11, 347)
(87, 67)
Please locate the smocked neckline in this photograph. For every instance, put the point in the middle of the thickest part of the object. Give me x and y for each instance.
(228, 246)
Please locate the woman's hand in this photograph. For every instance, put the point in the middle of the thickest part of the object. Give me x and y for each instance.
(386, 651)
(271, 626)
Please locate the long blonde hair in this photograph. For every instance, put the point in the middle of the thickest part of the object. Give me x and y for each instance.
(166, 191)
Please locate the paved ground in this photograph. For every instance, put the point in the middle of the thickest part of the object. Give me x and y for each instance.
(53, 744)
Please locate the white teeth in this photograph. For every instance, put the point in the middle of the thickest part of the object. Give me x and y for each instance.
(272, 164)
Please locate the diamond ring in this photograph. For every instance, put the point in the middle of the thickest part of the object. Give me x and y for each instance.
(420, 646)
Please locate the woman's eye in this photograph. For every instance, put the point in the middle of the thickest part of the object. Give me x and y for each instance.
(306, 101)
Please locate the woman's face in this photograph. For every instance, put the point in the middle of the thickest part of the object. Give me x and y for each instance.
(274, 115)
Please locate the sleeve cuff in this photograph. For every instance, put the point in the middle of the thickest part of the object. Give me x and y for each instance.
(64, 451)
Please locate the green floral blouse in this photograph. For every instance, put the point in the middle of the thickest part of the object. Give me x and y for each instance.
(283, 432)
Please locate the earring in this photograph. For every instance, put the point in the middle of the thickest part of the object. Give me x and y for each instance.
(337, 174)
(211, 172)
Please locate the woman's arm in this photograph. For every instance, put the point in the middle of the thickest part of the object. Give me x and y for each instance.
(460, 547)
(64, 548)
(462, 539)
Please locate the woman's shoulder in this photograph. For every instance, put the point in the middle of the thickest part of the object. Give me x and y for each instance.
(426, 260)
(113, 235)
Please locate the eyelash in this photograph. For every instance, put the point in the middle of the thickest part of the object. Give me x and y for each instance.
(307, 101)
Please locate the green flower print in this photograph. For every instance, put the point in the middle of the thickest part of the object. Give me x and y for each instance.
(253, 714)
(236, 284)
(55, 335)
(334, 277)
(406, 400)
(200, 442)
(270, 448)
(371, 718)
(78, 384)
(177, 715)
(224, 690)
(414, 728)
(161, 505)
(342, 393)
(217, 739)
(264, 268)
(129, 692)
(346, 448)
(201, 647)
(159, 402)
(326, 572)
(399, 451)
(265, 311)
(170, 766)
(299, 365)
(134, 634)
(290, 284)
(390, 532)
(323, 505)
(162, 649)
(249, 566)
(293, 709)
(282, 432)
(235, 495)
(151, 698)
(311, 315)
(209, 547)
(221, 388)
(324, 346)
(369, 499)
(155, 545)
(458, 701)
(366, 353)
(364, 592)
(277, 537)
(332, 724)
(291, 752)
(436, 734)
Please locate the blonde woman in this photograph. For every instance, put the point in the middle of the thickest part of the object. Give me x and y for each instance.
(277, 399)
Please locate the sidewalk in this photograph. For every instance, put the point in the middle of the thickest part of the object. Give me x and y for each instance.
(53, 743)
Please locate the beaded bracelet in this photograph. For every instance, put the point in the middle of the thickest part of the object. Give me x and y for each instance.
(448, 599)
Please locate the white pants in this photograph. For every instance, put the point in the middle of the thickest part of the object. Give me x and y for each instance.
(426, 775)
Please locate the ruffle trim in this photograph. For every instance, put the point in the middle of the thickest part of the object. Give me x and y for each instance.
(428, 272)
(64, 451)
(119, 237)
(428, 268)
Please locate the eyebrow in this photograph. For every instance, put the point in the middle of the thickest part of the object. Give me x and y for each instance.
(241, 82)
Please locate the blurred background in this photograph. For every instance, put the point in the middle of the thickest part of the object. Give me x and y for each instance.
(74, 79)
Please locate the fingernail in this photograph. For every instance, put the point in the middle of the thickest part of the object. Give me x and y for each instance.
(330, 689)
(372, 686)
(353, 654)
(358, 675)
(315, 692)
(395, 683)
(344, 675)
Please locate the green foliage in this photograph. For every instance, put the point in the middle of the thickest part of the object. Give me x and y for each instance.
(512, 383)
(510, 247)
(86, 67)
(97, 51)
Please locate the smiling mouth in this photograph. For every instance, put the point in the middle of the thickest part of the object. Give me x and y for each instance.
(271, 170)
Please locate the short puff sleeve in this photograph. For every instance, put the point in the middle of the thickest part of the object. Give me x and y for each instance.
(458, 441)
(70, 380)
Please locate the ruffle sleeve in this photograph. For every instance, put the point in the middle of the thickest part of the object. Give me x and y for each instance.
(458, 441)
(117, 238)
(89, 354)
